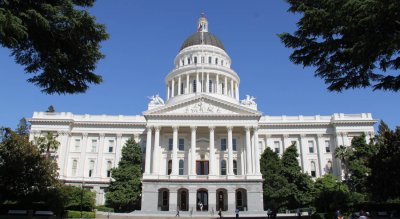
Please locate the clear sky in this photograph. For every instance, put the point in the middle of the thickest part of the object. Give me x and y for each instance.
(145, 36)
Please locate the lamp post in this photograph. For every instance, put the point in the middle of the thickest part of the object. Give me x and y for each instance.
(82, 191)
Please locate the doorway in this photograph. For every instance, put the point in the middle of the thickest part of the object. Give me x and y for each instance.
(202, 200)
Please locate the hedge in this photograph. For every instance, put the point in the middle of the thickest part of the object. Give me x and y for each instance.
(77, 214)
(104, 208)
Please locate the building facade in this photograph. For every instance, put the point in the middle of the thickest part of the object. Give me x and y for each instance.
(201, 145)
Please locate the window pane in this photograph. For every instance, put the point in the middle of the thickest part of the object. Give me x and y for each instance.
(234, 145)
(223, 144)
(223, 167)
(170, 143)
(181, 144)
(327, 147)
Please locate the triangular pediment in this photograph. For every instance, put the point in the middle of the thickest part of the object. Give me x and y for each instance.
(202, 105)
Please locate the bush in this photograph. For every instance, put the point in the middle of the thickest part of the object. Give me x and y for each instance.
(104, 208)
(77, 214)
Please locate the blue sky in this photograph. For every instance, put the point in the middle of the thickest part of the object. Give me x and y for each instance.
(146, 35)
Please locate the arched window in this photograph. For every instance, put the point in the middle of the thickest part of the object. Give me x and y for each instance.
(222, 88)
(181, 163)
(210, 84)
(194, 86)
(195, 60)
(223, 167)
(91, 168)
(235, 167)
(216, 61)
(165, 198)
(313, 171)
(169, 167)
(188, 60)
(182, 62)
(74, 167)
(239, 198)
(109, 166)
(209, 60)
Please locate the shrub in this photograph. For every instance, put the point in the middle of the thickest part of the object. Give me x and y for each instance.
(104, 208)
(77, 214)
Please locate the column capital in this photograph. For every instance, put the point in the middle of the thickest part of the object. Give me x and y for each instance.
(247, 128)
(229, 127)
(85, 134)
(136, 135)
(302, 135)
(285, 136)
(255, 128)
(175, 127)
(268, 136)
(119, 135)
(102, 135)
(193, 128)
(341, 133)
(320, 135)
(211, 128)
(157, 128)
(149, 127)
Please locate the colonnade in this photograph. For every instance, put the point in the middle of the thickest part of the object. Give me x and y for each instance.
(220, 84)
(152, 163)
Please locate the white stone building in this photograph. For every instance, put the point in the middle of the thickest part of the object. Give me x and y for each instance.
(202, 146)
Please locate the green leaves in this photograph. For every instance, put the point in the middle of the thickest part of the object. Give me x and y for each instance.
(352, 43)
(284, 184)
(125, 188)
(55, 41)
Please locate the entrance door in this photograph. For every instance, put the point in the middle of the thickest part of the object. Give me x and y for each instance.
(183, 205)
(202, 200)
(202, 167)
(221, 200)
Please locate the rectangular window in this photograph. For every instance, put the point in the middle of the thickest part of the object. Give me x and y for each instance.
(327, 147)
(223, 167)
(94, 145)
(202, 59)
(110, 146)
(234, 145)
(181, 166)
(210, 85)
(194, 86)
(74, 167)
(223, 144)
(77, 144)
(181, 144)
(170, 144)
(277, 146)
(182, 88)
(202, 167)
(311, 147)
(109, 167)
(91, 168)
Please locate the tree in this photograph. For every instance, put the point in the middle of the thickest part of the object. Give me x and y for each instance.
(285, 186)
(359, 165)
(351, 43)
(50, 109)
(331, 194)
(275, 186)
(125, 187)
(301, 183)
(343, 153)
(384, 180)
(24, 173)
(47, 143)
(57, 41)
(23, 127)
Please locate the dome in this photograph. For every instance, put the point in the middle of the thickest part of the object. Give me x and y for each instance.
(208, 39)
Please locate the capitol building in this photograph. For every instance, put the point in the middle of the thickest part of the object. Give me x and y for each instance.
(202, 143)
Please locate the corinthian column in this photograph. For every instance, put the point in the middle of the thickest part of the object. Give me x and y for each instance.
(230, 152)
(148, 151)
(156, 155)
(256, 151)
(248, 151)
(175, 151)
(193, 151)
(212, 151)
